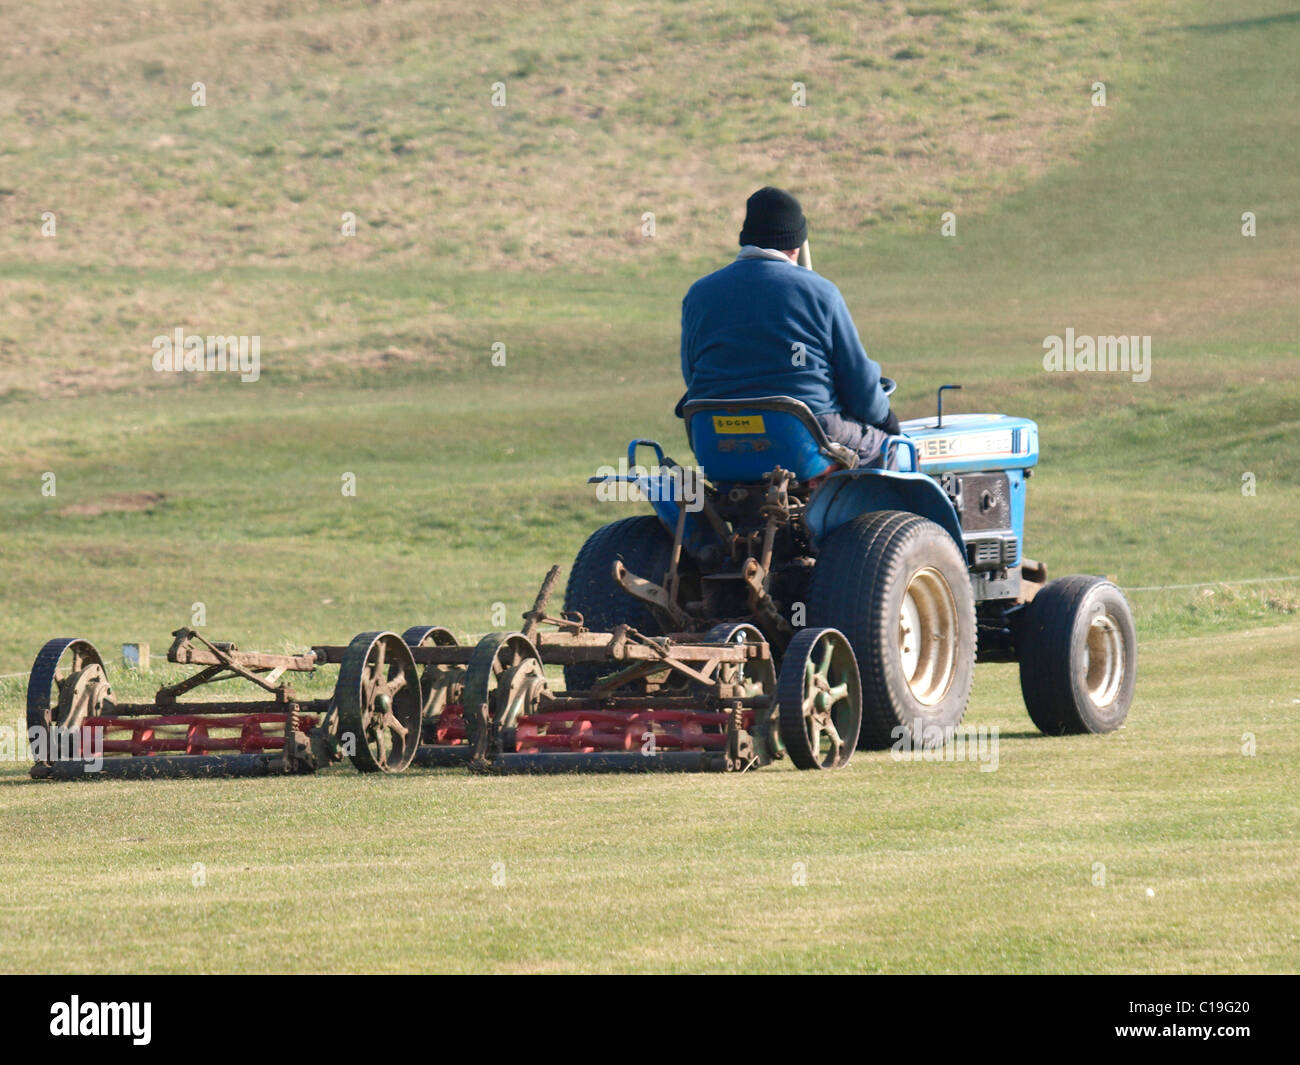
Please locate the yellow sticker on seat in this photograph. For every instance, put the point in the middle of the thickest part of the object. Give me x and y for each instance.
(749, 423)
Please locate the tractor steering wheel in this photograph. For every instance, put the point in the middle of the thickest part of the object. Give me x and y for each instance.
(887, 385)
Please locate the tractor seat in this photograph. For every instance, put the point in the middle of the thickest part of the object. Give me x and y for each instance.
(741, 440)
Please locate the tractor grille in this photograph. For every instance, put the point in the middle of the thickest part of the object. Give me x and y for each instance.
(990, 552)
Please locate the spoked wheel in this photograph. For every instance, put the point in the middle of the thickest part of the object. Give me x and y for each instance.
(820, 699)
(441, 686)
(504, 681)
(428, 636)
(68, 684)
(378, 700)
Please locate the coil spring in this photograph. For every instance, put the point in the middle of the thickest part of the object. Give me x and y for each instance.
(291, 722)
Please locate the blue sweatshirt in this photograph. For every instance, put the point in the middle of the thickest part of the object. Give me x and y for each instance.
(740, 326)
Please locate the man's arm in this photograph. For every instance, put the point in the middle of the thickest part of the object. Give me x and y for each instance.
(686, 347)
(687, 368)
(857, 376)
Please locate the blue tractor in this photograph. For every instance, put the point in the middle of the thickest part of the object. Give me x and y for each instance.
(920, 567)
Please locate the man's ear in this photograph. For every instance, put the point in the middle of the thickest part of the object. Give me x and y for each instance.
(805, 256)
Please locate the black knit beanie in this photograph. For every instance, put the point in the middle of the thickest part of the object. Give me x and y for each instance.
(774, 219)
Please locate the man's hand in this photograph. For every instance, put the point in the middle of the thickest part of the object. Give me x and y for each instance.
(890, 424)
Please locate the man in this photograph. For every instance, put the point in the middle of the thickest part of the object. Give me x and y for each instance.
(767, 326)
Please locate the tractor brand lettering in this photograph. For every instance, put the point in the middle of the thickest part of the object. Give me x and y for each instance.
(934, 744)
(1109, 354)
(660, 484)
(190, 353)
(748, 423)
(134, 1019)
(965, 445)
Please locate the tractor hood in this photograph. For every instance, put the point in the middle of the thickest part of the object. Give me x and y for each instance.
(973, 442)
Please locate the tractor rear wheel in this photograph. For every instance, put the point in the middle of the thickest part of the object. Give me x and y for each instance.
(1078, 656)
(644, 546)
(897, 586)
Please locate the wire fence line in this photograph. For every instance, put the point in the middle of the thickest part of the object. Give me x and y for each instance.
(1211, 584)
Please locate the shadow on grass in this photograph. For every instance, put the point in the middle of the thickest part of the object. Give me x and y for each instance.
(1289, 17)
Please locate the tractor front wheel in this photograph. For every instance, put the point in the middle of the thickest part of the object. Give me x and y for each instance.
(897, 586)
(1078, 656)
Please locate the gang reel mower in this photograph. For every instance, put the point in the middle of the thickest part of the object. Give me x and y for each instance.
(78, 729)
(686, 702)
(690, 702)
(730, 713)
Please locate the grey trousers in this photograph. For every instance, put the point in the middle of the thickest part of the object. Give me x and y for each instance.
(866, 440)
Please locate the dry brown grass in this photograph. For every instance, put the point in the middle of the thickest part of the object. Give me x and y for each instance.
(612, 110)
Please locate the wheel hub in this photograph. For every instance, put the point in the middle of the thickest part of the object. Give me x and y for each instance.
(1103, 660)
(81, 696)
(927, 636)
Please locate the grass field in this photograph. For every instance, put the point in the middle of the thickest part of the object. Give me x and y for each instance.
(908, 866)
(521, 225)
